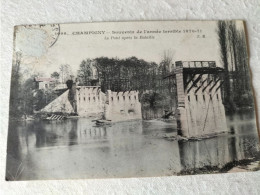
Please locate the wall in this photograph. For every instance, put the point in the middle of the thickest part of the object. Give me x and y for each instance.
(202, 112)
(122, 106)
(44, 85)
(205, 111)
(90, 100)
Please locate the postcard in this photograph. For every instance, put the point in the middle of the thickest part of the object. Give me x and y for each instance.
(130, 99)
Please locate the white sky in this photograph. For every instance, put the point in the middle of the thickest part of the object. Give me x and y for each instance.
(72, 49)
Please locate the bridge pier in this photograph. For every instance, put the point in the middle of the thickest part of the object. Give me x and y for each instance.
(200, 110)
(182, 126)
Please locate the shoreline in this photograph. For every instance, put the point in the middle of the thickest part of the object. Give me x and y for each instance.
(244, 165)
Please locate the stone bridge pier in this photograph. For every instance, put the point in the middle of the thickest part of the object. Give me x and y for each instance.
(200, 110)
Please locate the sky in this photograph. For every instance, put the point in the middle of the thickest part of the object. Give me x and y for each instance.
(43, 50)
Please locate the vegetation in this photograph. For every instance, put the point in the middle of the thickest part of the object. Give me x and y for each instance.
(85, 72)
(124, 74)
(65, 72)
(233, 48)
(25, 96)
(156, 93)
(15, 92)
(55, 75)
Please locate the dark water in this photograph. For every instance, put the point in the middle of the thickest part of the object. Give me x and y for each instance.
(76, 148)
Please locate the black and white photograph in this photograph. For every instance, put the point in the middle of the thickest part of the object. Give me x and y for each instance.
(131, 99)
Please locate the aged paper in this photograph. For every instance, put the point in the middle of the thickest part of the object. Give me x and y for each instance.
(130, 99)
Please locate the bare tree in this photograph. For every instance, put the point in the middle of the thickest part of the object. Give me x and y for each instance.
(166, 62)
(65, 72)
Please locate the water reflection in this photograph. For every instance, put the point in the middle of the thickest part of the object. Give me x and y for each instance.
(73, 134)
(217, 152)
(77, 148)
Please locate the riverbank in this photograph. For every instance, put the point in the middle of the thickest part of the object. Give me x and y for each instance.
(245, 165)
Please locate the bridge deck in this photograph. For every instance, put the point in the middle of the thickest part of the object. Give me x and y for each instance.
(203, 70)
(198, 70)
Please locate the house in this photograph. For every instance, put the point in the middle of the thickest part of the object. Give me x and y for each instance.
(45, 83)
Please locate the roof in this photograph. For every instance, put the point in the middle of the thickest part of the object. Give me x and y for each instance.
(41, 79)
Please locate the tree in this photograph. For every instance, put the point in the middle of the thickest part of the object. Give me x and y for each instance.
(153, 99)
(65, 72)
(27, 90)
(242, 89)
(15, 97)
(234, 57)
(55, 75)
(166, 62)
(133, 74)
(85, 71)
(223, 42)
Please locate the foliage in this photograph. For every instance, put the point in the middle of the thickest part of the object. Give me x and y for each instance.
(85, 71)
(39, 100)
(153, 99)
(55, 75)
(128, 74)
(15, 92)
(222, 37)
(234, 57)
(27, 94)
(43, 97)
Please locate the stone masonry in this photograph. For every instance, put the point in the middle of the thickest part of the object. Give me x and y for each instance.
(200, 109)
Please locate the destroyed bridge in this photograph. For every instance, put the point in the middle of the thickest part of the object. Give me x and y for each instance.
(200, 109)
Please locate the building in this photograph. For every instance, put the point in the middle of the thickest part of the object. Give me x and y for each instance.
(45, 83)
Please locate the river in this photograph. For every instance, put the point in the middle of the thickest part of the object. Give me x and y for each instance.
(78, 149)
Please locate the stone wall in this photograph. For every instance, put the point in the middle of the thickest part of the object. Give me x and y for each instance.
(204, 110)
(90, 100)
(200, 109)
(122, 106)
